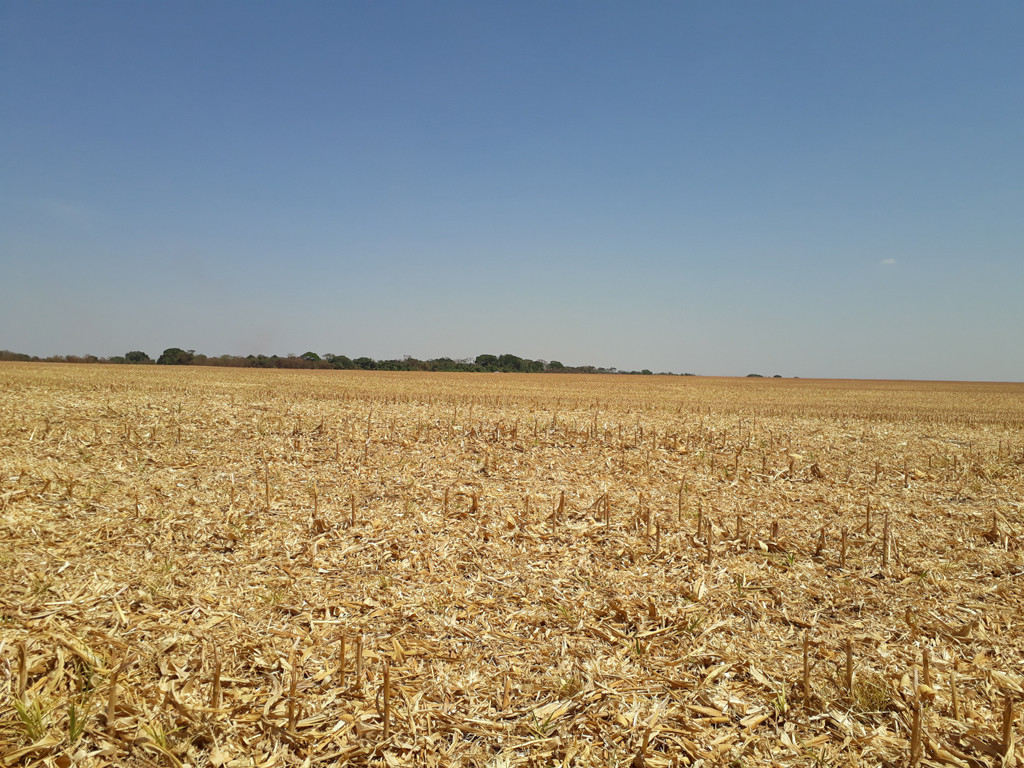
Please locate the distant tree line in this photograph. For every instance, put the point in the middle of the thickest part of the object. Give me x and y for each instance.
(481, 364)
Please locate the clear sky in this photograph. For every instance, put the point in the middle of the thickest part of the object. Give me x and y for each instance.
(799, 188)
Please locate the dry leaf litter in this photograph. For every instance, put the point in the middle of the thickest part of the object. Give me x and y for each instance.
(207, 567)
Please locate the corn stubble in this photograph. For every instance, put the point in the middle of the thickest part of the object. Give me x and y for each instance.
(235, 568)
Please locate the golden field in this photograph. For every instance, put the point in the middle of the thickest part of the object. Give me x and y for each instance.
(224, 567)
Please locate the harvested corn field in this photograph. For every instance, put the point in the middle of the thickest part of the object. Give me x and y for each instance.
(211, 567)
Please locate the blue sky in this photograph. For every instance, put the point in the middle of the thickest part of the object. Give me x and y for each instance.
(803, 188)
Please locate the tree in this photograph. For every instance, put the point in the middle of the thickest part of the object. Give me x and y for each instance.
(261, 361)
(340, 362)
(486, 360)
(175, 356)
(313, 357)
(135, 357)
(443, 364)
(6, 354)
(511, 363)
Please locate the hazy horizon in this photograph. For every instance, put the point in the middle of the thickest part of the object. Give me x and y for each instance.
(812, 190)
(601, 371)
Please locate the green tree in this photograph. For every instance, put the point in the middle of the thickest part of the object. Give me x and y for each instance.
(340, 361)
(135, 357)
(175, 356)
(485, 361)
(510, 363)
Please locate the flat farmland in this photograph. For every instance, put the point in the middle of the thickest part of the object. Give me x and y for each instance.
(226, 567)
